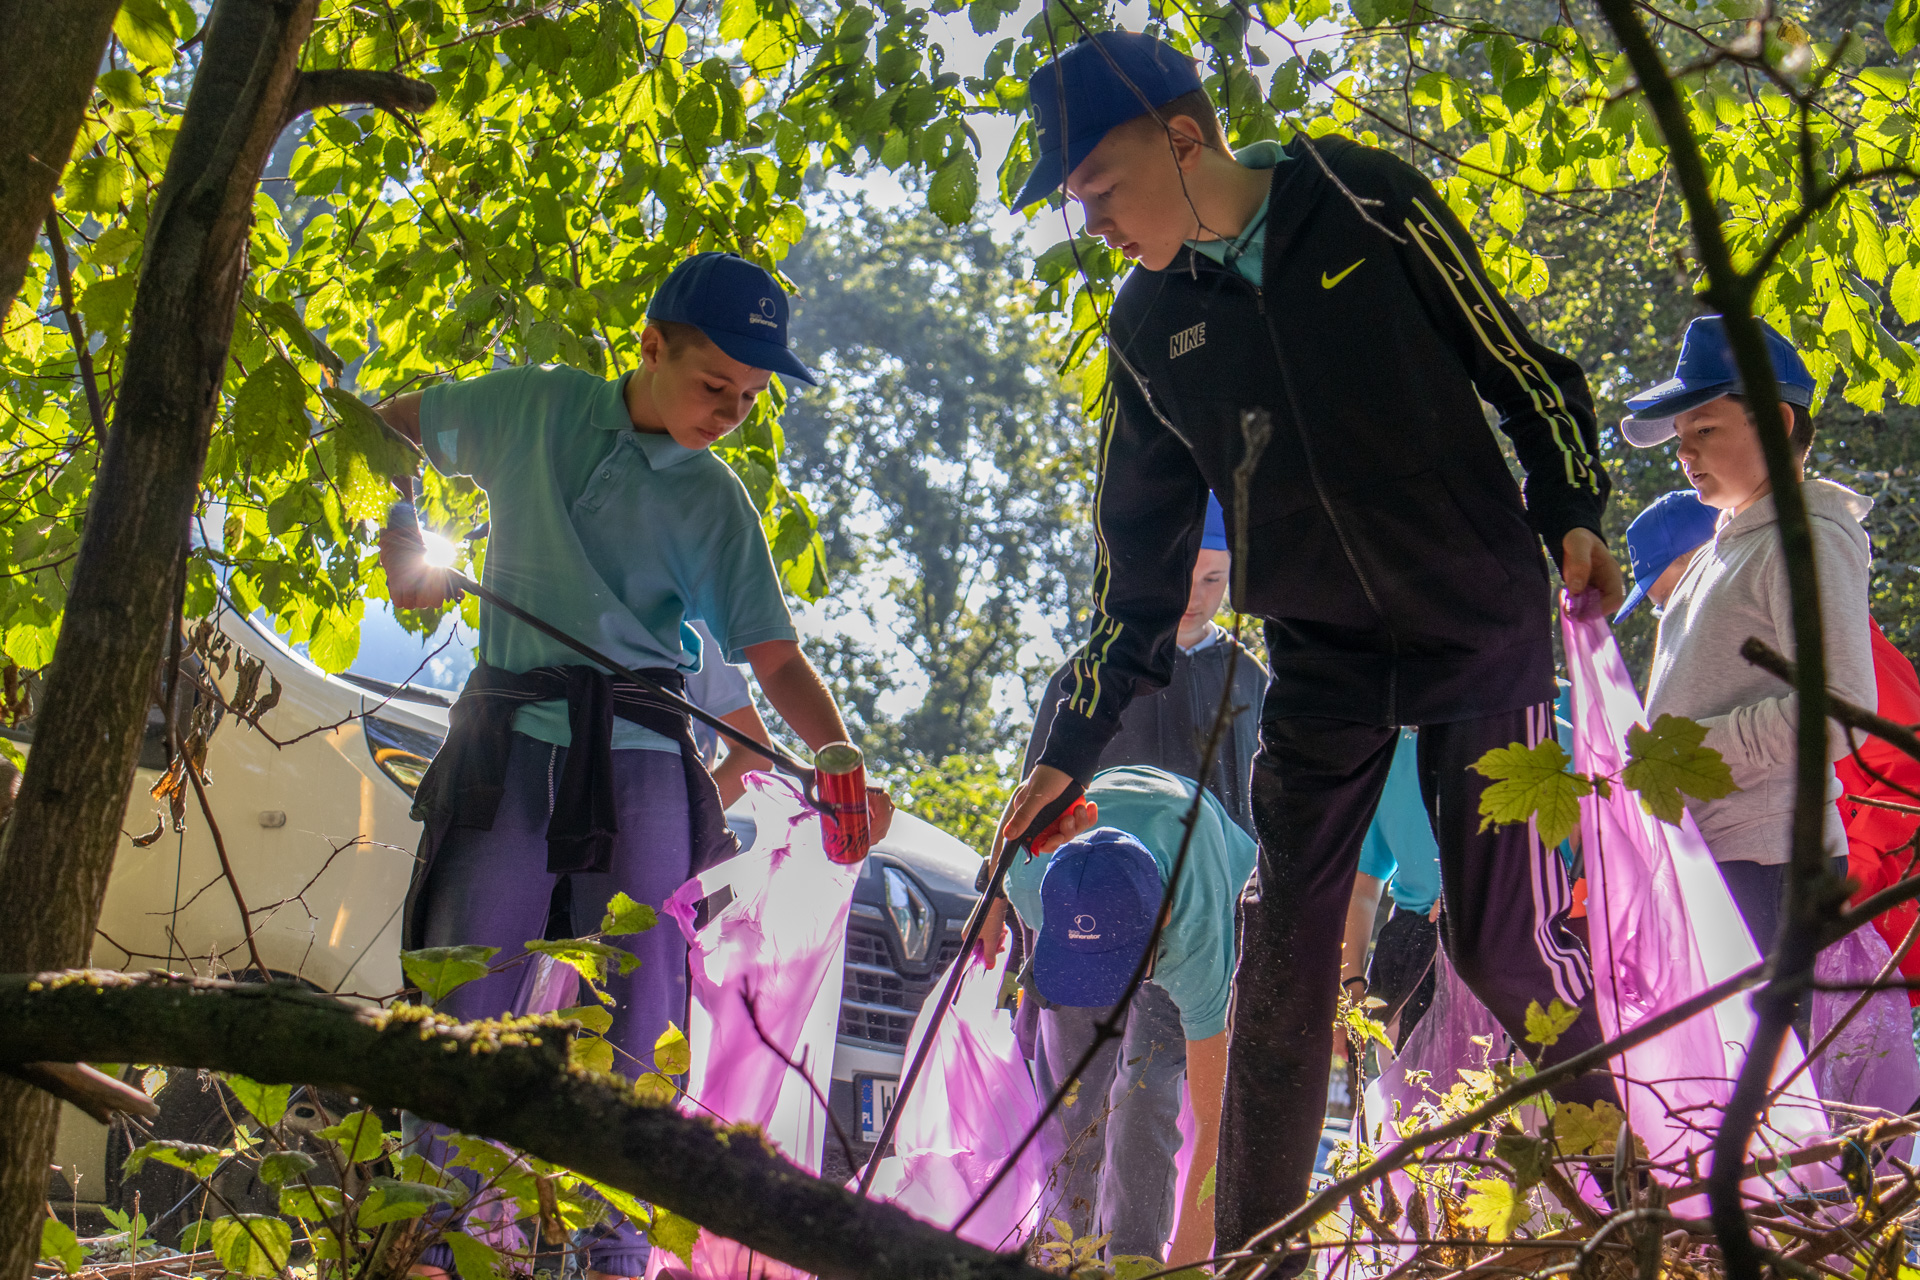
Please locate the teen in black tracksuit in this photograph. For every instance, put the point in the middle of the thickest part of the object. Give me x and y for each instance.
(1401, 579)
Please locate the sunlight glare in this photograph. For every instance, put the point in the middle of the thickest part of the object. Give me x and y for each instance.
(440, 552)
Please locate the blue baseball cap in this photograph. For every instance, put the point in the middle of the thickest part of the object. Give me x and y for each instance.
(1672, 525)
(1706, 371)
(1099, 898)
(740, 307)
(1102, 81)
(1214, 537)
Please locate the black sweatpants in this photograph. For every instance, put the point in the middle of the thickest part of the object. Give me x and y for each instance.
(1315, 785)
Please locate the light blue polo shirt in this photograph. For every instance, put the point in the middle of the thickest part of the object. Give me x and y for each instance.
(1196, 959)
(1248, 249)
(614, 535)
(1399, 846)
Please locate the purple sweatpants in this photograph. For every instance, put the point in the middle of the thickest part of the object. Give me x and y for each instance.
(492, 888)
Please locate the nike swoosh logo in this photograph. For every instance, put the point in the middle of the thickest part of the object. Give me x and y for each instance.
(1327, 281)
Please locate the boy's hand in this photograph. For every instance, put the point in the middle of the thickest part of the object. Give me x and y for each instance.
(993, 931)
(879, 814)
(1586, 563)
(1042, 787)
(412, 583)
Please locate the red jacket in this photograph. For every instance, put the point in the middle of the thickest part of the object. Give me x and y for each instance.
(1876, 858)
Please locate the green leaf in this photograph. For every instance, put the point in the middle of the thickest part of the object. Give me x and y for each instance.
(474, 1259)
(282, 1167)
(93, 185)
(590, 1016)
(1526, 1156)
(625, 916)
(673, 1233)
(1580, 1130)
(359, 1136)
(391, 1200)
(590, 959)
(372, 452)
(590, 1053)
(122, 88)
(1667, 762)
(1905, 292)
(58, 1243)
(1494, 1205)
(266, 1102)
(1532, 782)
(1903, 25)
(1207, 1184)
(270, 415)
(954, 189)
(196, 1159)
(1545, 1026)
(146, 29)
(252, 1244)
(439, 970)
(672, 1055)
(315, 1203)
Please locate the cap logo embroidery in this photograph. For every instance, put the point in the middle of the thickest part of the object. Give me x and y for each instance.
(1186, 340)
(765, 316)
(1082, 929)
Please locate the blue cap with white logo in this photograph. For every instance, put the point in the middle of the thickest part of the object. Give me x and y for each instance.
(740, 307)
(1672, 525)
(1214, 536)
(1102, 81)
(1099, 899)
(1706, 371)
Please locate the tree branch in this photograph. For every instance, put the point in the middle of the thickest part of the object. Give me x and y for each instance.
(387, 90)
(509, 1081)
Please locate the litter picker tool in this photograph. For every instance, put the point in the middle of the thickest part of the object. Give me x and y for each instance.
(1073, 797)
(838, 769)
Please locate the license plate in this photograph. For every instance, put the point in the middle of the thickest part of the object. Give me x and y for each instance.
(876, 1101)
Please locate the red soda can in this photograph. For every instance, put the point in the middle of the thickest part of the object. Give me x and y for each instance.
(840, 780)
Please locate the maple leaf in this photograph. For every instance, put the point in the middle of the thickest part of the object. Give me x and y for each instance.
(1532, 782)
(1667, 762)
(1494, 1205)
(1544, 1026)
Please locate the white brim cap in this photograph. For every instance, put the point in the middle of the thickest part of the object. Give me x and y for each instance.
(1644, 433)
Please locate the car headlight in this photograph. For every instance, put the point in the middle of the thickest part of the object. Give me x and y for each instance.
(402, 753)
(912, 914)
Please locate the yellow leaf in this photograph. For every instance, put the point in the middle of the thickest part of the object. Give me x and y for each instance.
(1493, 1204)
(1544, 1026)
(1667, 762)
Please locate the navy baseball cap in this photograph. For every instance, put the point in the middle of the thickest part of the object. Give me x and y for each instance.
(1672, 525)
(1706, 371)
(1099, 898)
(1102, 81)
(1214, 538)
(740, 307)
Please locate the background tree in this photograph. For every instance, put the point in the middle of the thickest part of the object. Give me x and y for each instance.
(944, 456)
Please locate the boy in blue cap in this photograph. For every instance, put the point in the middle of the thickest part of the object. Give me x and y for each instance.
(1093, 904)
(1397, 567)
(1660, 545)
(1167, 729)
(1736, 587)
(559, 785)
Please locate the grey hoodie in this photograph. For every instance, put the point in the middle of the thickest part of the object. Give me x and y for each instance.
(1737, 587)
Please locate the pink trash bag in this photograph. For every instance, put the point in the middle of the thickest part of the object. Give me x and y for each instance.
(1870, 1069)
(1662, 928)
(773, 953)
(974, 1102)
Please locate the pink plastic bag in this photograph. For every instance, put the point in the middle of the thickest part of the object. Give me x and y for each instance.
(1870, 1069)
(773, 954)
(1662, 927)
(974, 1102)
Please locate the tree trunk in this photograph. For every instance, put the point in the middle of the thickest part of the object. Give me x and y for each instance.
(57, 850)
(53, 53)
(509, 1082)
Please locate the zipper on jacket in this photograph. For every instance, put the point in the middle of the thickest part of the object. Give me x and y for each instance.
(1326, 505)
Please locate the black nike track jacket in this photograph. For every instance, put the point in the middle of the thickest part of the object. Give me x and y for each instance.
(1389, 550)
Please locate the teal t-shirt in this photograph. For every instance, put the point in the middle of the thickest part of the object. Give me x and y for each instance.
(1399, 847)
(1196, 959)
(1246, 251)
(614, 535)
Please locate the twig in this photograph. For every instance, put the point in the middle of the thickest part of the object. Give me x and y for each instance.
(75, 329)
(753, 1016)
(226, 869)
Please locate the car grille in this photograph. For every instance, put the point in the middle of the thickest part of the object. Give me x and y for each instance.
(878, 1003)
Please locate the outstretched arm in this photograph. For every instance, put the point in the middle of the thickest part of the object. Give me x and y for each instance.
(1206, 1083)
(800, 696)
